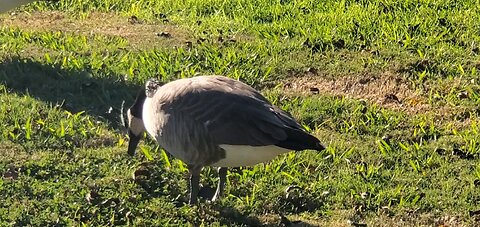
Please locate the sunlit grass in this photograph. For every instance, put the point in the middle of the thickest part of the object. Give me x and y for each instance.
(63, 149)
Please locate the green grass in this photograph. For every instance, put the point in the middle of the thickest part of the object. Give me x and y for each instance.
(64, 73)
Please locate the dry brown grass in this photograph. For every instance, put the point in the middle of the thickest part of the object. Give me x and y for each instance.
(138, 33)
(388, 90)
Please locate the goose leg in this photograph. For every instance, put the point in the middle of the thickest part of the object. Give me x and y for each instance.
(222, 175)
(194, 183)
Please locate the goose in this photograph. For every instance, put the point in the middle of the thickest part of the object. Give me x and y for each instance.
(214, 121)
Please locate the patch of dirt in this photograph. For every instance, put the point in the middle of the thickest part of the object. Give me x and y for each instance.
(9, 150)
(138, 33)
(14, 153)
(387, 90)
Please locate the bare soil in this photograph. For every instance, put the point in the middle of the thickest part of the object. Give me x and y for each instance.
(387, 90)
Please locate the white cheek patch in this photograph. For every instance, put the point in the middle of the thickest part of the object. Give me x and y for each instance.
(135, 124)
(243, 155)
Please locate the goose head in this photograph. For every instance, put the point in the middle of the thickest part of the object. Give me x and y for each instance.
(135, 124)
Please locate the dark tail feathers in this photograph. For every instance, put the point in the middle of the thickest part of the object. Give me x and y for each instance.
(298, 140)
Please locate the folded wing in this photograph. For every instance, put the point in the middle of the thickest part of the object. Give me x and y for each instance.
(244, 117)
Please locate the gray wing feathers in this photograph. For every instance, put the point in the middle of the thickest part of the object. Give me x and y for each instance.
(229, 111)
(237, 119)
(204, 112)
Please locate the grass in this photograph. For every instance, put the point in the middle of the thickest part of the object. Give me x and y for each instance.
(391, 87)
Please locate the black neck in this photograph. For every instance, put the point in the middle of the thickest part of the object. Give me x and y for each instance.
(137, 107)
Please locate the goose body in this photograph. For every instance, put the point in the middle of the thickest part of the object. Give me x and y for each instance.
(214, 121)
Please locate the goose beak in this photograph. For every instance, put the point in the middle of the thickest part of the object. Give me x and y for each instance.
(133, 142)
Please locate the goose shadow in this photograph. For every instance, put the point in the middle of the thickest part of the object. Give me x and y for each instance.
(72, 90)
(230, 216)
(154, 182)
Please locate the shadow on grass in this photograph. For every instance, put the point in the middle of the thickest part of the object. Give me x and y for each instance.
(230, 216)
(100, 96)
(153, 180)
